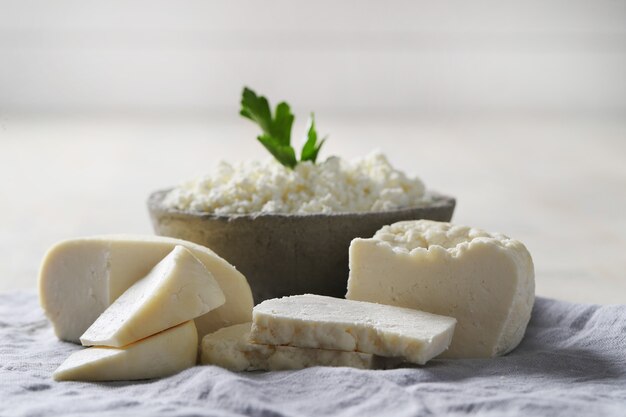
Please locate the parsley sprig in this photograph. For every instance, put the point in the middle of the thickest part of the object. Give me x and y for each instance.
(276, 137)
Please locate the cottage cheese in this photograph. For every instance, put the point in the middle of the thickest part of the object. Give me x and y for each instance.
(335, 185)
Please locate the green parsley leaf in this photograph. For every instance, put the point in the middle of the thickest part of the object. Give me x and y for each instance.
(281, 125)
(311, 148)
(284, 154)
(276, 137)
(256, 109)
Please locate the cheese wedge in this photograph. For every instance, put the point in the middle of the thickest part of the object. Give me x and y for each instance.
(177, 289)
(163, 354)
(230, 348)
(80, 278)
(315, 321)
(484, 280)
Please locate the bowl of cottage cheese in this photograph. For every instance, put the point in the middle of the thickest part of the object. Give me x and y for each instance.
(288, 229)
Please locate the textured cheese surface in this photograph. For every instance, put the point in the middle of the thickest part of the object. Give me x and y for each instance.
(177, 289)
(484, 280)
(80, 278)
(316, 321)
(230, 348)
(335, 185)
(163, 354)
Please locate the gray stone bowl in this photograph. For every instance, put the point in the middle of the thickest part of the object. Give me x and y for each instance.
(286, 254)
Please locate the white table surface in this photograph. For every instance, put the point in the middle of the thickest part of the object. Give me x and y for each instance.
(557, 184)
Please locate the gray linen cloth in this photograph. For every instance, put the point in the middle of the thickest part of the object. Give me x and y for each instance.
(572, 362)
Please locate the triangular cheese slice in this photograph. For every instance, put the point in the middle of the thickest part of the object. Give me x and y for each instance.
(177, 289)
(163, 354)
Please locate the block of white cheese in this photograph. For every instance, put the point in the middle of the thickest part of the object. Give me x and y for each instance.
(80, 278)
(484, 280)
(177, 289)
(230, 348)
(163, 354)
(315, 321)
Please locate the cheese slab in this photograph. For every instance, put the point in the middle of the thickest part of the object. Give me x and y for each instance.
(177, 289)
(484, 280)
(80, 278)
(230, 348)
(163, 354)
(316, 321)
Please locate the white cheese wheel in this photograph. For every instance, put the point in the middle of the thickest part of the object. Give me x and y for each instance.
(80, 278)
(177, 289)
(484, 280)
(316, 321)
(163, 354)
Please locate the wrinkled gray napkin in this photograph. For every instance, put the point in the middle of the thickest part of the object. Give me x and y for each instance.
(572, 362)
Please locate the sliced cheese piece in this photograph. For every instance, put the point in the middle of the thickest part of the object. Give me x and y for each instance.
(230, 348)
(163, 354)
(316, 321)
(484, 280)
(177, 289)
(80, 278)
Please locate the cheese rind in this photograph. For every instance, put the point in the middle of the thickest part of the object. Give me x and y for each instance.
(316, 321)
(230, 348)
(484, 280)
(177, 289)
(163, 354)
(80, 278)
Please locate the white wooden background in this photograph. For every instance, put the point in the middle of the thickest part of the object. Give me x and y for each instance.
(516, 108)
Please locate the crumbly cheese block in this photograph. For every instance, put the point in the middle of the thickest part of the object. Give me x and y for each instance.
(80, 278)
(484, 280)
(230, 348)
(177, 289)
(316, 321)
(163, 354)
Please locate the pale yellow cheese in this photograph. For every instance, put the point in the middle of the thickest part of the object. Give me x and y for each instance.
(230, 348)
(484, 280)
(80, 278)
(315, 321)
(163, 354)
(177, 289)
